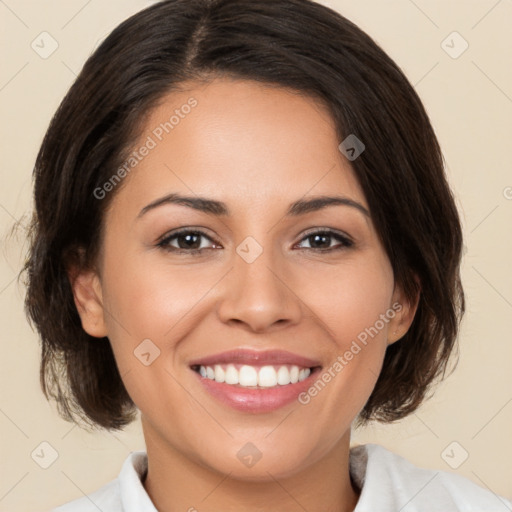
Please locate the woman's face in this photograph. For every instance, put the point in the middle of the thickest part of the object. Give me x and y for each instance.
(262, 281)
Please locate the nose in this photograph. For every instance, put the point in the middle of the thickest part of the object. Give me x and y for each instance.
(259, 294)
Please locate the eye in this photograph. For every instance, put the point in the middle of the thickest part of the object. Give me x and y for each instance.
(321, 240)
(187, 241)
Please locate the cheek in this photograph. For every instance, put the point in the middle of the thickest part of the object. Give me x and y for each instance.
(149, 309)
(350, 298)
(145, 316)
(355, 310)
(148, 299)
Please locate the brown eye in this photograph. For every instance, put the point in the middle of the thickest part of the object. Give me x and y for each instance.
(184, 241)
(321, 240)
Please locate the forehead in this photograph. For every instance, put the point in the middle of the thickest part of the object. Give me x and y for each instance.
(245, 143)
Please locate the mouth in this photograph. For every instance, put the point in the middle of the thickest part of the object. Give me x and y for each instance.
(250, 368)
(255, 376)
(255, 382)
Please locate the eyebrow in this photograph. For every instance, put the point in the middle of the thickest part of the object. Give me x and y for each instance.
(219, 208)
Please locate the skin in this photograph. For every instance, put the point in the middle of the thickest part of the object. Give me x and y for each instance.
(257, 148)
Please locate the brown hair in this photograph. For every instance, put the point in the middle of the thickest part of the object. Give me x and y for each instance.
(296, 44)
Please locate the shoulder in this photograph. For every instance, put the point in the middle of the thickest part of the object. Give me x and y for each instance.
(124, 494)
(394, 483)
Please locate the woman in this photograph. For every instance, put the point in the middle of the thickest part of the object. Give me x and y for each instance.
(243, 230)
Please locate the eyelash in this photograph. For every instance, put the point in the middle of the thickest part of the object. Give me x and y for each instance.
(164, 243)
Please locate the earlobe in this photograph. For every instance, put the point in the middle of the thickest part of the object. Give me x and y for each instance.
(405, 312)
(87, 294)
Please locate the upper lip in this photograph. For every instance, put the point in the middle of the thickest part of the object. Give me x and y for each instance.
(263, 357)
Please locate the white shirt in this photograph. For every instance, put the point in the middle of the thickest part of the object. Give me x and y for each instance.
(388, 483)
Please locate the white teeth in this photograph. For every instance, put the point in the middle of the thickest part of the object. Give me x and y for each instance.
(304, 374)
(250, 376)
(267, 377)
(283, 376)
(247, 376)
(220, 374)
(294, 374)
(231, 376)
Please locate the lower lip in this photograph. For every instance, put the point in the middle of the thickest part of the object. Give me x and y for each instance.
(256, 400)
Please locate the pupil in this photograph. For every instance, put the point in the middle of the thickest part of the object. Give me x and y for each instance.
(319, 237)
(189, 241)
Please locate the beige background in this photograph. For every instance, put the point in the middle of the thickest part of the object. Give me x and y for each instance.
(469, 99)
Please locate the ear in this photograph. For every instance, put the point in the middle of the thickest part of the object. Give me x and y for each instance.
(87, 292)
(404, 313)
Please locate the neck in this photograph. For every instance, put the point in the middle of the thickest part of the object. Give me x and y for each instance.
(176, 481)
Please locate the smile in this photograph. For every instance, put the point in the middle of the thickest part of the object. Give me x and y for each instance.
(256, 377)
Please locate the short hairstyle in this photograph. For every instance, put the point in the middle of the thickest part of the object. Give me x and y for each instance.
(295, 44)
